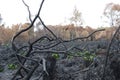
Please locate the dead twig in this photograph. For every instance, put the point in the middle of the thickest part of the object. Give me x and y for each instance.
(79, 38)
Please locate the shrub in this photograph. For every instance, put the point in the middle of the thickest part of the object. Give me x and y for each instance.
(1, 68)
(55, 55)
(12, 66)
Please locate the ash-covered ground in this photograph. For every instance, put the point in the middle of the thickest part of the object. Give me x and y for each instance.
(67, 67)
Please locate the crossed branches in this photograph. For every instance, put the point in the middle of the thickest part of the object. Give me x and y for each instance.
(37, 47)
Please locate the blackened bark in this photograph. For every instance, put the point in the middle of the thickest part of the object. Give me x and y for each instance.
(50, 66)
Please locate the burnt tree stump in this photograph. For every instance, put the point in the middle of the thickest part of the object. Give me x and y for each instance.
(50, 67)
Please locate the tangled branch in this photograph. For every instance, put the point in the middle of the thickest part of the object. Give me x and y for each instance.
(37, 47)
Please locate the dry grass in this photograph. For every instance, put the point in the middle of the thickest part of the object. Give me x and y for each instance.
(65, 32)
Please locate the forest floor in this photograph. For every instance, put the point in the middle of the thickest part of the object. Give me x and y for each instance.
(66, 68)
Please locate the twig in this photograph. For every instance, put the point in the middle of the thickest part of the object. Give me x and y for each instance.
(86, 36)
(28, 10)
(13, 45)
(30, 45)
(47, 27)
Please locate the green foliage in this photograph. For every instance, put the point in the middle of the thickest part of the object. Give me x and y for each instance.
(6, 45)
(87, 56)
(1, 69)
(69, 56)
(55, 55)
(23, 53)
(12, 66)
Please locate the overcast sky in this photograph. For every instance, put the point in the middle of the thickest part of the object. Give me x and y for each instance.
(54, 11)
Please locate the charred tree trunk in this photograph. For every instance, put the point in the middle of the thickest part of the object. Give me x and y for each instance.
(50, 67)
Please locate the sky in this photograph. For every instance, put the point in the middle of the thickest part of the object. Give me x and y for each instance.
(54, 12)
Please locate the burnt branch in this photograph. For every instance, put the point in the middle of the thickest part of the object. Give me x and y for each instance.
(47, 28)
(80, 38)
(30, 47)
(28, 10)
(13, 45)
(116, 35)
(46, 45)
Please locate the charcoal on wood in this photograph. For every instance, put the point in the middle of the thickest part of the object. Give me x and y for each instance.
(50, 67)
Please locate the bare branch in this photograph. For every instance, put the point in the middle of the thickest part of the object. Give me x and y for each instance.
(28, 10)
(13, 45)
(86, 36)
(47, 28)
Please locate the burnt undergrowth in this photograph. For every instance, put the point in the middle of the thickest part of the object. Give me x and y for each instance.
(52, 58)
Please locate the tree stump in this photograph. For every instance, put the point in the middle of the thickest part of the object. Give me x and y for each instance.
(50, 67)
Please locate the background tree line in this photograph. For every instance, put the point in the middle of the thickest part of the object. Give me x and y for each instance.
(70, 31)
(65, 32)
